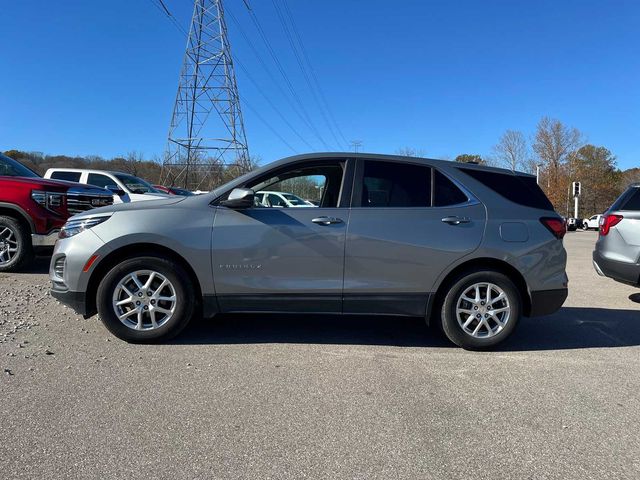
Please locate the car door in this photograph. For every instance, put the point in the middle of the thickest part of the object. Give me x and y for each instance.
(408, 223)
(285, 259)
(105, 181)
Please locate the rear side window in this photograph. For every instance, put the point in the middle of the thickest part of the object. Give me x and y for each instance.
(68, 176)
(516, 188)
(445, 191)
(390, 184)
(629, 200)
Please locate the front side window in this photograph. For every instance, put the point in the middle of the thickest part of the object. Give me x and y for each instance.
(394, 185)
(99, 180)
(135, 184)
(301, 187)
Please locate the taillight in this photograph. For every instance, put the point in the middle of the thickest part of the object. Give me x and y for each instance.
(557, 226)
(608, 221)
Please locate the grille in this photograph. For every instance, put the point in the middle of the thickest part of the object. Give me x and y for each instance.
(78, 202)
(58, 266)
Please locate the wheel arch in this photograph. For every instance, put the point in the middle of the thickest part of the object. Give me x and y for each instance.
(480, 263)
(132, 251)
(13, 211)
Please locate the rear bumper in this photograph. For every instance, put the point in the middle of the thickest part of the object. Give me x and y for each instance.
(75, 300)
(546, 302)
(622, 272)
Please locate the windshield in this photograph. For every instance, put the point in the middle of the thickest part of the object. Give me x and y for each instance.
(135, 184)
(293, 200)
(10, 168)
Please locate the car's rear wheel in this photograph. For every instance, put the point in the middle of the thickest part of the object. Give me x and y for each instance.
(481, 309)
(146, 299)
(15, 245)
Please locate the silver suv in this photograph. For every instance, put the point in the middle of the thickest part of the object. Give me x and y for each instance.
(617, 252)
(468, 247)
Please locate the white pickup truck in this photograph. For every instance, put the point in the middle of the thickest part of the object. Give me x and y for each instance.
(125, 187)
(592, 223)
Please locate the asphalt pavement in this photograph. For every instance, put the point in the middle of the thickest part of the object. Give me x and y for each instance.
(269, 397)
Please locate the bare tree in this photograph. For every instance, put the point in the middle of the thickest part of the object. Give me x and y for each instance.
(555, 145)
(411, 152)
(512, 151)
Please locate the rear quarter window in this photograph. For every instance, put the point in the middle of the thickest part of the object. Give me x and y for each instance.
(515, 188)
(68, 176)
(629, 200)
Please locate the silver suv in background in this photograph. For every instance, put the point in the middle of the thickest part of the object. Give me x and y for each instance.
(468, 247)
(617, 252)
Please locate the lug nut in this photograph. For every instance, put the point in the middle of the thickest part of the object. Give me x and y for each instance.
(146, 308)
(149, 294)
(153, 302)
(481, 303)
(139, 294)
(137, 303)
(479, 316)
(475, 308)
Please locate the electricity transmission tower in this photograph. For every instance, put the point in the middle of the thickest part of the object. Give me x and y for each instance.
(206, 133)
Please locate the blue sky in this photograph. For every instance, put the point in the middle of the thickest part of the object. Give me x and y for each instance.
(445, 77)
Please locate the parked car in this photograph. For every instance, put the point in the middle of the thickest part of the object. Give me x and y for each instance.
(124, 187)
(174, 190)
(281, 200)
(617, 252)
(469, 247)
(592, 223)
(573, 224)
(32, 211)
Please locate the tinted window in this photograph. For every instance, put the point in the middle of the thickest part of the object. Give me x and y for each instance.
(390, 184)
(11, 168)
(516, 188)
(68, 176)
(275, 201)
(631, 201)
(445, 191)
(99, 180)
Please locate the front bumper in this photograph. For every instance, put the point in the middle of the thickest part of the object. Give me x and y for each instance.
(76, 300)
(622, 272)
(48, 240)
(546, 302)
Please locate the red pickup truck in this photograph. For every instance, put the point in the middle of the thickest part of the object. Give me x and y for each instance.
(32, 211)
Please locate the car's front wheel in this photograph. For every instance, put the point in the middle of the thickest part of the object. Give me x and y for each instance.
(481, 309)
(146, 299)
(15, 245)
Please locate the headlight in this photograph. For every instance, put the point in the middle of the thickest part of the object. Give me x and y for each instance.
(74, 227)
(49, 200)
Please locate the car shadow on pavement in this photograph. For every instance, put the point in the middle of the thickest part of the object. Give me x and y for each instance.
(38, 265)
(569, 328)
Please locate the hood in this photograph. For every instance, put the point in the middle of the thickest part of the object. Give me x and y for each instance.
(122, 207)
(45, 182)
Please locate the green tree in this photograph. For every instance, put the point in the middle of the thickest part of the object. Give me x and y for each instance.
(470, 158)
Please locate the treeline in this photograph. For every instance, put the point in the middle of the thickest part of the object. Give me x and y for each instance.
(135, 164)
(560, 155)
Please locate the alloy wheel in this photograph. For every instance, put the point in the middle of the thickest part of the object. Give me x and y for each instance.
(8, 245)
(483, 310)
(144, 300)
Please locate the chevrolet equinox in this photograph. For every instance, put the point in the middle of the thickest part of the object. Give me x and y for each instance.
(468, 247)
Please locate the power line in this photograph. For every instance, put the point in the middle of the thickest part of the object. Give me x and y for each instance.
(303, 68)
(160, 5)
(311, 69)
(269, 73)
(282, 71)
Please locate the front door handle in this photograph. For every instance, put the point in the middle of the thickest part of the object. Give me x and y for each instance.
(326, 220)
(453, 220)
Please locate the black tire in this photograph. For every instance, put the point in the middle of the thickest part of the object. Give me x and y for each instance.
(24, 255)
(184, 293)
(454, 331)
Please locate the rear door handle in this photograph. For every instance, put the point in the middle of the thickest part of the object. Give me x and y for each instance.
(326, 220)
(453, 220)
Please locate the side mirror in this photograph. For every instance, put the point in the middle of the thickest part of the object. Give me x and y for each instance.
(239, 198)
(116, 190)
